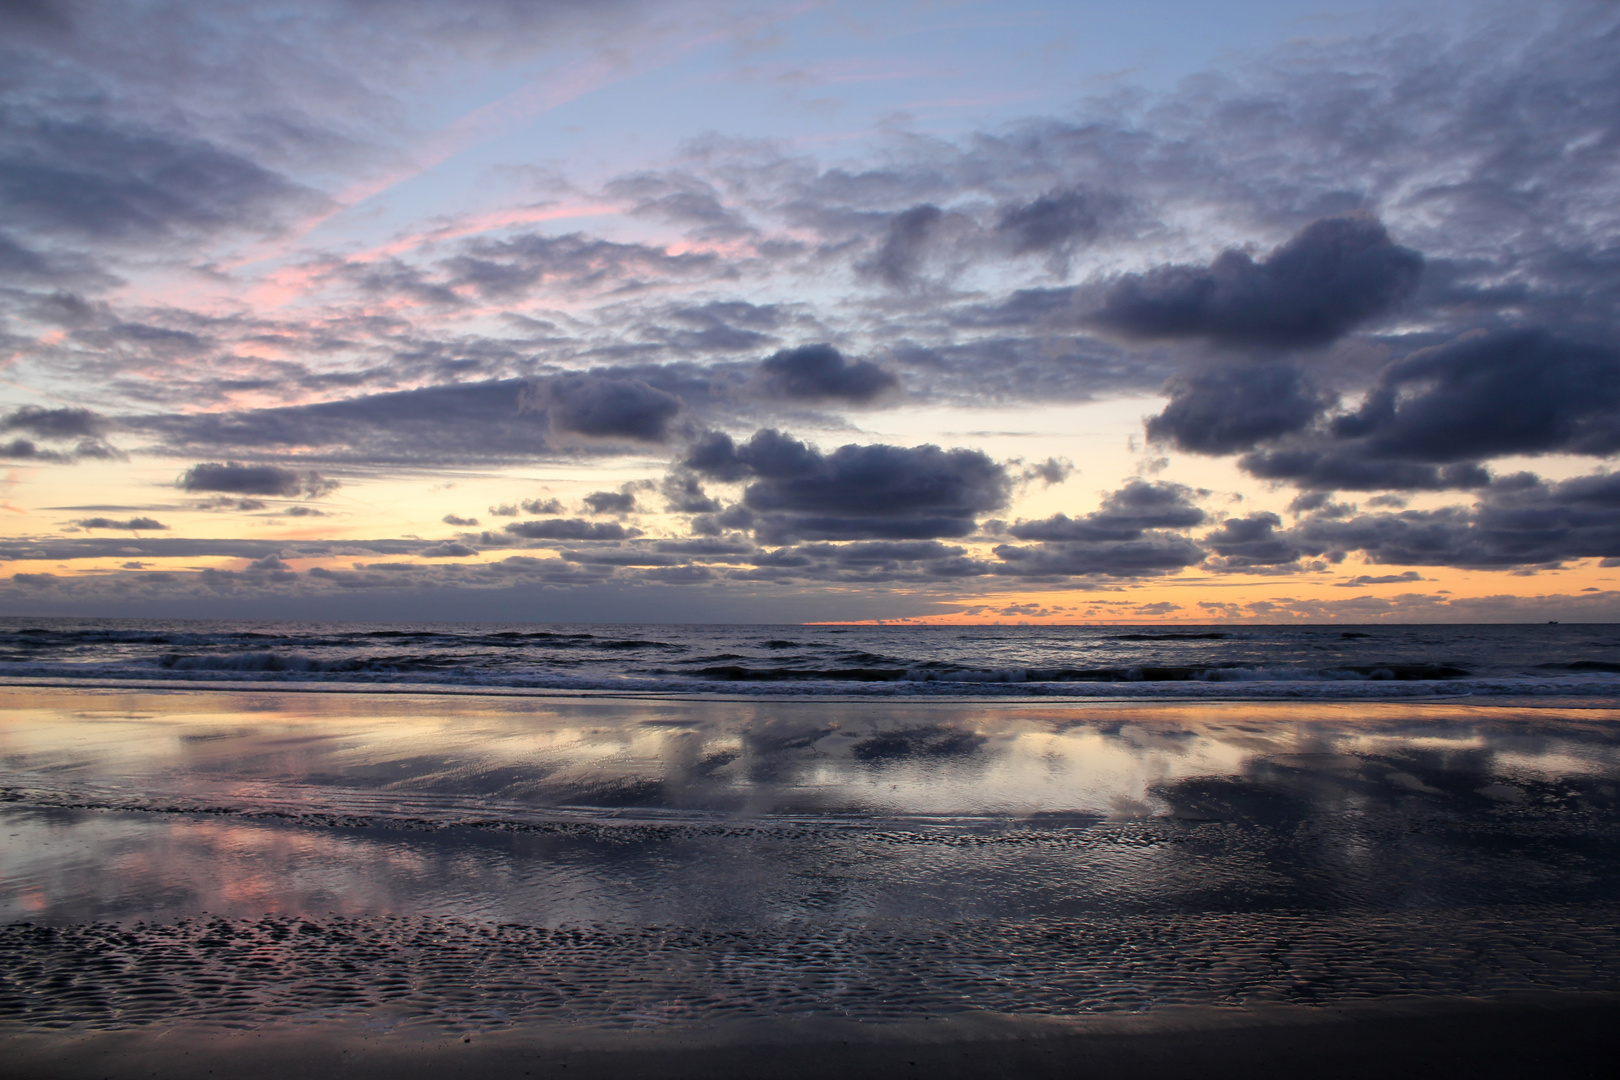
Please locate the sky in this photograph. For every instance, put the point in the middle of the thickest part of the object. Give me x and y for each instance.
(729, 311)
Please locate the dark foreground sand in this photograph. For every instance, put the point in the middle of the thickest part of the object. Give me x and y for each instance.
(1548, 1035)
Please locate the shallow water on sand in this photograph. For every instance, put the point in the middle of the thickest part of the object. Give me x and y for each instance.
(474, 862)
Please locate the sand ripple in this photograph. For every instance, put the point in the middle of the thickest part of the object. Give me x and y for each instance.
(465, 975)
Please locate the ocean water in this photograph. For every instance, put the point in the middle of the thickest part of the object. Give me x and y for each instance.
(1017, 661)
(427, 827)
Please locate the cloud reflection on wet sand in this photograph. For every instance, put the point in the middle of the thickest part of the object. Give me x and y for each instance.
(1236, 852)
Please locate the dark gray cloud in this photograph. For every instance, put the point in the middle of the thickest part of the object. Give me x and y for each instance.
(859, 562)
(1335, 274)
(65, 549)
(906, 238)
(683, 494)
(23, 265)
(1347, 469)
(136, 524)
(605, 408)
(1153, 554)
(1513, 392)
(92, 179)
(242, 479)
(565, 529)
(433, 425)
(1361, 581)
(458, 521)
(855, 492)
(70, 423)
(1125, 514)
(1519, 520)
(58, 426)
(1054, 221)
(28, 450)
(611, 502)
(1134, 533)
(821, 373)
(1053, 470)
(1253, 541)
(447, 550)
(1428, 424)
(269, 564)
(1228, 409)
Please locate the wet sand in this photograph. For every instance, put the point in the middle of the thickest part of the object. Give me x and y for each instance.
(263, 884)
(1564, 1035)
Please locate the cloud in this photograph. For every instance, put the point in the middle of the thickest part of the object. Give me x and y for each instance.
(1229, 409)
(58, 425)
(568, 529)
(225, 502)
(66, 549)
(1427, 424)
(820, 373)
(242, 479)
(1253, 541)
(611, 502)
(855, 492)
(20, 264)
(28, 450)
(1053, 470)
(1348, 470)
(1154, 554)
(447, 550)
(1333, 275)
(683, 494)
(1525, 391)
(605, 408)
(70, 423)
(905, 244)
(1054, 221)
(137, 524)
(1133, 533)
(1361, 581)
(453, 424)
(1519, 520)
(1487, 152)
(507, 269)
(452, 519)
(1125, 514)
(97, 180)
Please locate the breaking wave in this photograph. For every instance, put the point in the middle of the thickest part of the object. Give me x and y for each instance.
(1246, 661)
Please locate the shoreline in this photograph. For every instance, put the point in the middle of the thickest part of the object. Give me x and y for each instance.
(1559, 698)
(1557, 1033)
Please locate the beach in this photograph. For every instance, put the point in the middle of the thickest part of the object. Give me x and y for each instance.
(674, 886)
(1570, 1035)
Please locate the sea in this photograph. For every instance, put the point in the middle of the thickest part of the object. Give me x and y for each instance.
(468, 828)
(1153, 662)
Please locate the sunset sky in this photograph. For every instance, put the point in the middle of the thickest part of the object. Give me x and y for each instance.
(597, 310)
